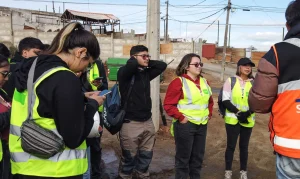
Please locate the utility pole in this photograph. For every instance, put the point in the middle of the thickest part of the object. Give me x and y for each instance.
(229, 35)
(218, 40)
(225, 42)
(53, 6)
(153, 41)
(46, 8)
(282, 33)
(167, 22)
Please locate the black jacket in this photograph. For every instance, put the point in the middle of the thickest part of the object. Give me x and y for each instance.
(9, 86)
(60, 98)
(139, 103)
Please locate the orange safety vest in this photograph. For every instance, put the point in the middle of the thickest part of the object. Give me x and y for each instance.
(285, 117)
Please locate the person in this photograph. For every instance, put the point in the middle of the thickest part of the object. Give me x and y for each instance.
(28, 47)
(276, 90)
(239, 119)
(4, 51)
(58, 104)
(137, 135)
(91, 82)
(5, 105)
(189, 101)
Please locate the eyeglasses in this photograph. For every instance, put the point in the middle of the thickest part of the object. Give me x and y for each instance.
(197, 64)
(5, 73)
(144, 56)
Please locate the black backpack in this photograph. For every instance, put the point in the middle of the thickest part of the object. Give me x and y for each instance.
(222, 108)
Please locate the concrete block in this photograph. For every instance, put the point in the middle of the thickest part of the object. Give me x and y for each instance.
(119, 42)
(104, 40)
(5, 38)
(5, 32)
(118, 54)
(105, 47)
(4, 19)
(25, 33)
(182, 46)
(118, 49)
(5, 26)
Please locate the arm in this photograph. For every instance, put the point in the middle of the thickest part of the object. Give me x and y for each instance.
(262, 96)
(128, 70)
(156, 68)
(210, 104)
(73, 123)
(4, 120)
(102, 74)
(226, 97)
(173, 95)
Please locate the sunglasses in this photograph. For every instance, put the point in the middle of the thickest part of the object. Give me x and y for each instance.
(197, 64)
(5, 73)
(144, 56)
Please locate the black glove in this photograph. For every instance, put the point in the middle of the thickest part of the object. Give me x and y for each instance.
(242, 117)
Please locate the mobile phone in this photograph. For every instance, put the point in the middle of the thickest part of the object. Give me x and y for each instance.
(104, 92)
(98, 79)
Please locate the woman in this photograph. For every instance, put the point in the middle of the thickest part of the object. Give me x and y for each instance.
(189, 102)
(58, 104)
(239, 120)
(5, 105)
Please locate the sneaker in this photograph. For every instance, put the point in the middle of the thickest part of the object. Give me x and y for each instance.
(243, 174)
(228, 174)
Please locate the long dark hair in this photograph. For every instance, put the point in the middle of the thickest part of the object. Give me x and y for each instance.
(74, 35)
(184, 63)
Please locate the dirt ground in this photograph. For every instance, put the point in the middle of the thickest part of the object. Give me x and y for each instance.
(261, 162)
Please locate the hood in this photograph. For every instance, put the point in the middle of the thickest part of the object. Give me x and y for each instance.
(293, 32)
(44, 63)
(18, 58)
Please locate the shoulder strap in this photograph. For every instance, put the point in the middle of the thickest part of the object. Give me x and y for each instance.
(276, 55)
(233, 81)
(30, 87)
(129, 91)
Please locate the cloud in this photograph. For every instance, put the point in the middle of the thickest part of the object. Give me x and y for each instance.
(264, 36)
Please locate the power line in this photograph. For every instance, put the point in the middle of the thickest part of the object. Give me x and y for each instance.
(194, 13)
(70, 2)
(134, 13)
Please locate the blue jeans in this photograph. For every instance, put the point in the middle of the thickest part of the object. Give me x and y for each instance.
(287, 168)
(87, 174)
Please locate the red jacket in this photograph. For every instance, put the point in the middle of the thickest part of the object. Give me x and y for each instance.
(175, 93)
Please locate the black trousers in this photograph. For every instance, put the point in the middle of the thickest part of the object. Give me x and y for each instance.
(190, 147)
(233, 132)
(5, 169)
(96, 152)
(34, 177)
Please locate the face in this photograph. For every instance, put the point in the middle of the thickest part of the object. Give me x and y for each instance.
(79, 60)
(245, 69)
(4, 75)
(31, 53)
(195, 66)
(142, 58)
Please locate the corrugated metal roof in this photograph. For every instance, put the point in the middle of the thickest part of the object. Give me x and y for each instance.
(91, 15)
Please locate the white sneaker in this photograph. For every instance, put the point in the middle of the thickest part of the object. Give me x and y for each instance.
(228, 174)
(243, 174)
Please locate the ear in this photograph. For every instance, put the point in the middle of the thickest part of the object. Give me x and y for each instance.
(287, 26)
(24, 53)
(80, 52)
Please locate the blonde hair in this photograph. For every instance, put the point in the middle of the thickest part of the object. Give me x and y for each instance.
(74, 35)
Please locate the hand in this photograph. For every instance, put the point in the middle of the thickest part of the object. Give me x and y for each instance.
(88, 94)
(243, 117)
(97, 83)
(184, 121)
(99, 99)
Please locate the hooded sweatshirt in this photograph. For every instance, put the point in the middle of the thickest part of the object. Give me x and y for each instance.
(60, 98)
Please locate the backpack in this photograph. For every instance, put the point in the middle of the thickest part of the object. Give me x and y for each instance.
(222, 108)
(113, 115)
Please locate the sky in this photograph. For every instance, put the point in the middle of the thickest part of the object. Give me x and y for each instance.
(260, 27)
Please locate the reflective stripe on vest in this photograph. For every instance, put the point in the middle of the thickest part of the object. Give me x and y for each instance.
(70, 162)
(239, 98)
(284, 121)
(194, 105)
(1, 151)
(93, 74)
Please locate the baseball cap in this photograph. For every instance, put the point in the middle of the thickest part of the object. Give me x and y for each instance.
(245, 61)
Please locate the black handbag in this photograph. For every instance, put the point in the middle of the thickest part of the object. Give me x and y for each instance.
(36, 140)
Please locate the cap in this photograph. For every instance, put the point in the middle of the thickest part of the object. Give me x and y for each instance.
(245, 61)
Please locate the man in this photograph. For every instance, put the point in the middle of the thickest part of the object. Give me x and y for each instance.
(137, 135)
(279, 69)
(91, 82)
(28, 47)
